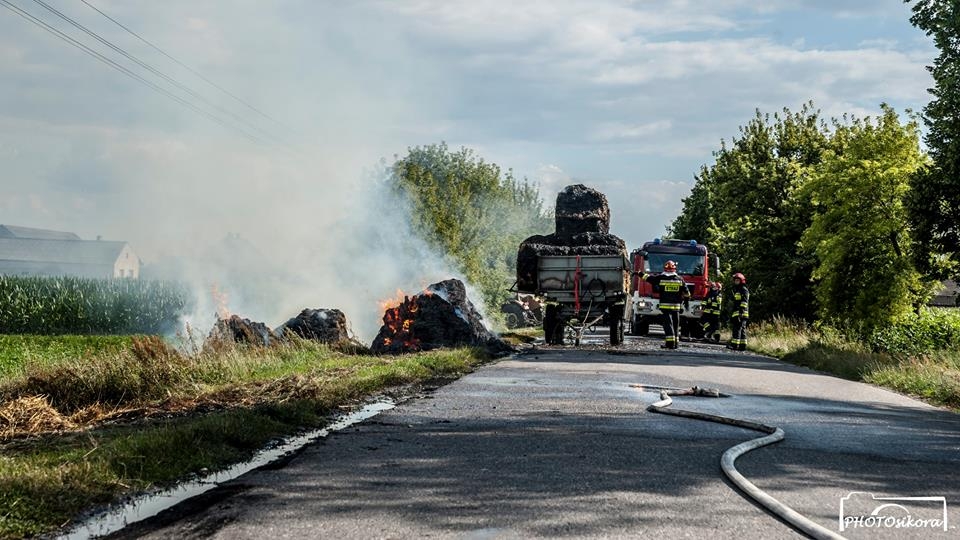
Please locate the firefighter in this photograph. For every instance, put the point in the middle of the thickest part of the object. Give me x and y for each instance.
(711, 312)
(741, 313)
(673, 293)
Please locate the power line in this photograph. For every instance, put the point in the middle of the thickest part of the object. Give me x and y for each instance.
(150, 68)
(44, 26)
(186, 67)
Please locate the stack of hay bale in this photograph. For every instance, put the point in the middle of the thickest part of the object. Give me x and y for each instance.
(582, 228)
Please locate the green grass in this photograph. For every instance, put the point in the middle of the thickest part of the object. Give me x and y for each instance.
(44, 486)
(255, 395)
(19, 351)
(933, 376)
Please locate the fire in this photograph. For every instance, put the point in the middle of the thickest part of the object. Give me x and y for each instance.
(220, 298)
(394, 301)
(399, 317)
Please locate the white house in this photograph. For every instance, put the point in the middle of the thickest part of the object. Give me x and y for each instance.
(32, 252)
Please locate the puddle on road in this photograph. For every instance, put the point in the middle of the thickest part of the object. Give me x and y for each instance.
(149, 505)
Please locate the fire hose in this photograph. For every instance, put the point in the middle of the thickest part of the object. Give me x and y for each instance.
(727, 461)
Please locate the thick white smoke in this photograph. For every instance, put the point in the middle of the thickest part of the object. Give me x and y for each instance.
(343, 242)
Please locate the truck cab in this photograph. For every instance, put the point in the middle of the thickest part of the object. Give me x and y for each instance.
(694, 263)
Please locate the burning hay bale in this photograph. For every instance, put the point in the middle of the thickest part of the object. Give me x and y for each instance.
(323, 325)
(236, 329)
(582, 228)
(440, 316)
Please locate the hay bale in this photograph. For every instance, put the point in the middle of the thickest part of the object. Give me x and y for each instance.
(581, 210)
(323, 325)
(581, 244)
(440, 316)
(582, 228)
(237, 330)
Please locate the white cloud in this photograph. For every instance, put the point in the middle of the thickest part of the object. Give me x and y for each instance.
(618, 130)
(551, 179)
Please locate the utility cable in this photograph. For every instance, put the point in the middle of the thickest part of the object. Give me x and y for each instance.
(44, 26)
(729, 458)
(150, 68)
(186, 67)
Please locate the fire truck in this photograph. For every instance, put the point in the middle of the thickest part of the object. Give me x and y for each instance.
(694, 263)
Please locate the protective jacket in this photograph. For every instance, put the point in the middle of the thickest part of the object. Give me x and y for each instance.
(711, 304)
(671, 288)
(741, 302)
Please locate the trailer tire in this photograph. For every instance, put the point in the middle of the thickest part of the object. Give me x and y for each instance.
(513, 315)
(616, 325)
(552, 326)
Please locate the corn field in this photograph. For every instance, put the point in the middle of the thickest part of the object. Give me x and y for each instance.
(68, 305)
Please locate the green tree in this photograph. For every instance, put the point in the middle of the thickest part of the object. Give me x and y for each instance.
(748, 207)
(865, 273)
(695, 220)
(471, 211)
(935, 199)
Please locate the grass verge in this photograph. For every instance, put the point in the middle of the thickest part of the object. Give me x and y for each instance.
(19, 351)
(933, 376)
(522, 336)
(82, 432)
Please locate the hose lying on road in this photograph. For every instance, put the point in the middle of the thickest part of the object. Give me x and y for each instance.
(773, 435)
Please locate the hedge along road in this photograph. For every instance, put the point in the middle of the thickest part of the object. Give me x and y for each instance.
(556, 443)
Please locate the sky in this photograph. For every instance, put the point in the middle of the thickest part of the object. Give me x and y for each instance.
(629, 97)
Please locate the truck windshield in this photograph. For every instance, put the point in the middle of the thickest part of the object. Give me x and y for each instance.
(689, 265)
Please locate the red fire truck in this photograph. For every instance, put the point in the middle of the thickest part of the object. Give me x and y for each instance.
(694, 262)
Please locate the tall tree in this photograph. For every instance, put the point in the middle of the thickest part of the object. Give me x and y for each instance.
(935, 199)
(471, 211)
(747, 206)
(695, 220)
(859, 233)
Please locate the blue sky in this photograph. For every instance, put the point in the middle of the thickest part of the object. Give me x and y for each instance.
(630, 97)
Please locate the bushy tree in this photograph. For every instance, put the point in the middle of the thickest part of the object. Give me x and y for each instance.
(934, 202)
(859, 234)
(748, 207)
(471, 211)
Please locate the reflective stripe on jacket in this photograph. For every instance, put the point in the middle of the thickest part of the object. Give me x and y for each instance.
(671, 289)
(741, 301)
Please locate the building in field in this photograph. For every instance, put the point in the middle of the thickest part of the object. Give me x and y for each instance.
(26, 251)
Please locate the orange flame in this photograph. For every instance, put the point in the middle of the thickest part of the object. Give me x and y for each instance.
(398, 318)
(220, 298)
(397, 299)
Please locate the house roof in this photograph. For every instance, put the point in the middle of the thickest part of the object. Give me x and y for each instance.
(60, 251)
(15, 231)
(949, 296)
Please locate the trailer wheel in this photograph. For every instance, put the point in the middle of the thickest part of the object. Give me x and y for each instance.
(513, 315)
(616, 325)
(552, 326)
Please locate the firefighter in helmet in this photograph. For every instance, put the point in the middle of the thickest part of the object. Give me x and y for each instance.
(741, 312)
(673, 293)
(711, 312)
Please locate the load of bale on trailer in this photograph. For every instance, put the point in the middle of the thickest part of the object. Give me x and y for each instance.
(582, 229)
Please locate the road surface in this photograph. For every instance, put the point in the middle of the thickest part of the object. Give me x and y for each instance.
(556, 443)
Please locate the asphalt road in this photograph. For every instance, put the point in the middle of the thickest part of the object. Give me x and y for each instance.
(556, 443)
